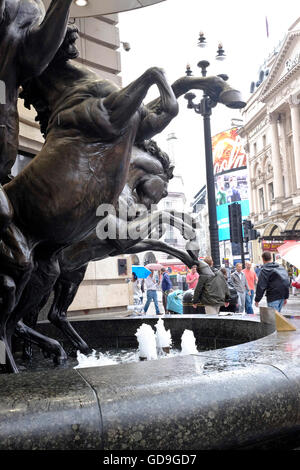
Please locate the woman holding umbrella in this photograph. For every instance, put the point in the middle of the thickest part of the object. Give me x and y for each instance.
(139, 273)
(152, 287)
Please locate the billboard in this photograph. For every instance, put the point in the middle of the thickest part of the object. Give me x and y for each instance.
(228, 151)
(231, 177)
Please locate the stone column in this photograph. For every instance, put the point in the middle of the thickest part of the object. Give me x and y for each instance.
(289, 173)
(267, 198)
(295, 117)
(252, 190)
(277, 170)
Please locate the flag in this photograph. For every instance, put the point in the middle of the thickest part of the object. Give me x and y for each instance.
(267, 27)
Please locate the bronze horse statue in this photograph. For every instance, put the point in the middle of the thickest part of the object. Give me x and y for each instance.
(145, 167)
(92, 126)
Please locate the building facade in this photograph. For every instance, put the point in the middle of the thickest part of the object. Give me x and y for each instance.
(271, 134)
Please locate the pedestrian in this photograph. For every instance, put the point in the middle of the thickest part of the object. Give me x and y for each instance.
(241, 285)
(233, 302)
(274, 281)
(166, 287)
(257, 269)
(179, 279)
(211, 290)
(252, 281)
(137, 290)
(192, 278)
(152, 287)
(295, 283)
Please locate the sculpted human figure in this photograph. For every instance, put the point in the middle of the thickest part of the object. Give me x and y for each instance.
(29, 39)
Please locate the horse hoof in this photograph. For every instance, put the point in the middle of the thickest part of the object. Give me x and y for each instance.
(59, 360)
(85, 350)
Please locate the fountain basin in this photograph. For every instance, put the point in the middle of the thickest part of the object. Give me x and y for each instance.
(240, 396)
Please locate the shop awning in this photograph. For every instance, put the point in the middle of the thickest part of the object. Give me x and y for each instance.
(105, 7)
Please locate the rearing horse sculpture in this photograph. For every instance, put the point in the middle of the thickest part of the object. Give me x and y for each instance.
(149, 166)
(84, 162)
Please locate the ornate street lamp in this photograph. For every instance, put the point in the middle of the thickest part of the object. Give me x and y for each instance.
(204, 107)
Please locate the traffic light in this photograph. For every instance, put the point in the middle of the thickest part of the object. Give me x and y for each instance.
(254, 234)
(249, 231)
(247, 225)
(235, 222)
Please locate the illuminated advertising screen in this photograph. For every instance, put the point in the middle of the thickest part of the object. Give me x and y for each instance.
(228, 151)
(231, 178)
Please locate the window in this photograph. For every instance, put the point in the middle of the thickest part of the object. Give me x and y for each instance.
(264, 138)
(261, 199)
(271, 191)
(254, 148)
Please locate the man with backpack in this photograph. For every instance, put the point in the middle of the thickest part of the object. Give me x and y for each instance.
(211, 290)
(274, 280)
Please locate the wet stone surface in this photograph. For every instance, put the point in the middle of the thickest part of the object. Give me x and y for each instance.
(242, 396)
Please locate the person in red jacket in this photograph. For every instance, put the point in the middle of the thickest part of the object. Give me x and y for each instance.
(192, 278)
(252, 281)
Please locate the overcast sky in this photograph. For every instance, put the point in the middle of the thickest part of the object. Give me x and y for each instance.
(166, 35)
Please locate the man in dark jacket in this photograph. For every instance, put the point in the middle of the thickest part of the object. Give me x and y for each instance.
(211, 290)
(274, 280)
(166, 287)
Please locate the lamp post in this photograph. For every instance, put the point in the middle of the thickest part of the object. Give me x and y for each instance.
(204, 107)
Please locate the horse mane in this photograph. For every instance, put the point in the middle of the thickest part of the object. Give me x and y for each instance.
(151, 147)
(31, 92)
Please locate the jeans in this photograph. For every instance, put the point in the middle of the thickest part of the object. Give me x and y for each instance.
(249, 301)
(276, 304)
(241, 301)
(152, 295)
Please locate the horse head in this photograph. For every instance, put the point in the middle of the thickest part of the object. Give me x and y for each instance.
(149, 174)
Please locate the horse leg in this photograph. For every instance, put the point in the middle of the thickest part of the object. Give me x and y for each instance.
(8, 292)
(49, 345)
(144, 226)
(123, 104)
(34, 294)
(65, 290)
(16, 268)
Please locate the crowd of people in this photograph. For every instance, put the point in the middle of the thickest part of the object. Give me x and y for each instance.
(236, 288)
(251, 284)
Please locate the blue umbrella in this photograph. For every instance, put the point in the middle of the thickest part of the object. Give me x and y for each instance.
(140, 271)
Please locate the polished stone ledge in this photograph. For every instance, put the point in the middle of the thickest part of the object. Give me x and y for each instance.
(242, 396)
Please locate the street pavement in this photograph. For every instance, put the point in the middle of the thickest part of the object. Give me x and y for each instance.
(292, 308)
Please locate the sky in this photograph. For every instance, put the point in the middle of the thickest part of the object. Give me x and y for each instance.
(166, 35)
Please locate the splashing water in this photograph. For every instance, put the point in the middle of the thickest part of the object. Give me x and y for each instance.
(188, 343)
(147, 342)
(163, 337)
(93, 361)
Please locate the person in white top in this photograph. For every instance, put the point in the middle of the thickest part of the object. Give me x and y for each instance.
(137, 289)
(152, 287)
